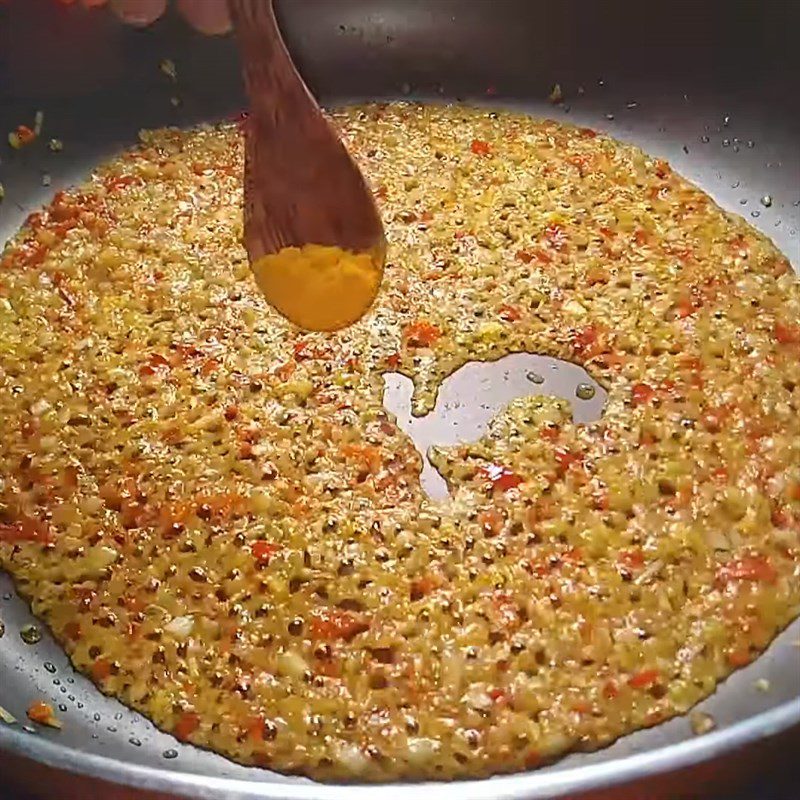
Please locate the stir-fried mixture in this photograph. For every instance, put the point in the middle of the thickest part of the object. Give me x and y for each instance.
(225, 528)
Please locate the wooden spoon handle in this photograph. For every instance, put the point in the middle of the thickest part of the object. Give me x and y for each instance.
(301, 186)
(269, 72)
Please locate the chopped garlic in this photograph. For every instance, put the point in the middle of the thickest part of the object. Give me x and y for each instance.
(39, 407)
(574, 307)
(701, 722)
(180, 627)
(167, 66)
(556, 95)
(291, 663)
(421, 750)
(352, 757)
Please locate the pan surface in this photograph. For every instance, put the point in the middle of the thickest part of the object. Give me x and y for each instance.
(711, 87)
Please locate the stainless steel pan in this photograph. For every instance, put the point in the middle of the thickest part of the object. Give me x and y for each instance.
(712, 86)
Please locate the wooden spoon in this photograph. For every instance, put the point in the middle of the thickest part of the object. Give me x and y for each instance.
(301, 185)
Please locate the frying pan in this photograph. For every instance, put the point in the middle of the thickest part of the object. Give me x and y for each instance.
(714, 87)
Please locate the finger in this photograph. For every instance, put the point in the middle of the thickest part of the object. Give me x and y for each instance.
(139, 12)
(207, 16)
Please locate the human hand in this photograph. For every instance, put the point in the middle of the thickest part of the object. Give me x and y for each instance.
(207, 16)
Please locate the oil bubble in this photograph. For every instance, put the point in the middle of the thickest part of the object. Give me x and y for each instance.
(30, 634)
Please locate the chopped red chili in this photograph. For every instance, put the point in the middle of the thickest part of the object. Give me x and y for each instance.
(501, 477)
(748, 568)
(187, 724)
(786, 334)
(642, 393)
(644, 679)
(263, 551)
(421, 334)
(333, 623)
(509, 313)
(101, 669)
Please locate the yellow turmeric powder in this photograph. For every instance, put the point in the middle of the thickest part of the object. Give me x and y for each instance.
(319, 287)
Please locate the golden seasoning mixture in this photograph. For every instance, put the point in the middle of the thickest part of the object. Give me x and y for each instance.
(225, 528)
